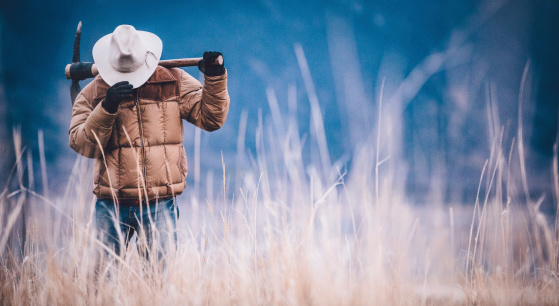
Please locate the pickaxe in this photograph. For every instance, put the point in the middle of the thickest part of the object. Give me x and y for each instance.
(77, 71)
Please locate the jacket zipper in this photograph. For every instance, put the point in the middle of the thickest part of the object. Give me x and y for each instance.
(141, 136)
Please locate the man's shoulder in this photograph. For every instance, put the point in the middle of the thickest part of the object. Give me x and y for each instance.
(95, 90)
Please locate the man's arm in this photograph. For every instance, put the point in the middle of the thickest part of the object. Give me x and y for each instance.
(204, 106)
(91, 127)
(88, 121)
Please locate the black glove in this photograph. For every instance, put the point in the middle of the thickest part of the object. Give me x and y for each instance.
(207, 64)
(116, 94)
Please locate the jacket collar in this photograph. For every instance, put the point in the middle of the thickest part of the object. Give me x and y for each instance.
(161, 75)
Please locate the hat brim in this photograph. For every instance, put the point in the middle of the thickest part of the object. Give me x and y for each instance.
(137, 78)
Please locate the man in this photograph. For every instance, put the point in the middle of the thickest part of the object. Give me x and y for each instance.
(129, 118)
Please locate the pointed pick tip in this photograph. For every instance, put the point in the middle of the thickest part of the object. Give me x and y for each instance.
(79, 27)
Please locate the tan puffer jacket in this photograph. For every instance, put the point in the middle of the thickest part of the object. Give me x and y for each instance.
(141, 145)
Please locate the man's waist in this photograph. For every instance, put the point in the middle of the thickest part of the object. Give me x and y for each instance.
(136, 202)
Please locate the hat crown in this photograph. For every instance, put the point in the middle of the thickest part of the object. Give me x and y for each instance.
(127, 51)
(127, 54)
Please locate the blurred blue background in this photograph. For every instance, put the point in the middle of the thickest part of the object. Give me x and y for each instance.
(445, 63)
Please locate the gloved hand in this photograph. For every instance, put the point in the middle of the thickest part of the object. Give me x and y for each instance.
(116, 94)
(207, 66)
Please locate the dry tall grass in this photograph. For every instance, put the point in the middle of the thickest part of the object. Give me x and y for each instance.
(291, 232)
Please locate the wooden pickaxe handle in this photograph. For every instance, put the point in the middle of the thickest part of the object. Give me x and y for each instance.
(77, 68)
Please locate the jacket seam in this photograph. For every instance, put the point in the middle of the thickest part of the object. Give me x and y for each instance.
(119, 173)
(119, 167)
(136, 188)
(163, 115)
(152, 145)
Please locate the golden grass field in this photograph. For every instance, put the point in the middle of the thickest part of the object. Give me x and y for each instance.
(291, 231)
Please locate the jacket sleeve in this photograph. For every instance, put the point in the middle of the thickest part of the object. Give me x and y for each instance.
(88, 121)
(204, 106)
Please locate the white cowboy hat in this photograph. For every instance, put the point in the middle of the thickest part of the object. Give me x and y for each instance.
(127, 55)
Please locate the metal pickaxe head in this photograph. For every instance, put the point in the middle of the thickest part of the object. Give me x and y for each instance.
(76, 54)
(78, 71)
(75, 88)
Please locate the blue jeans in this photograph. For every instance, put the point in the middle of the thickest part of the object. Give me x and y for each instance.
(154, 225)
